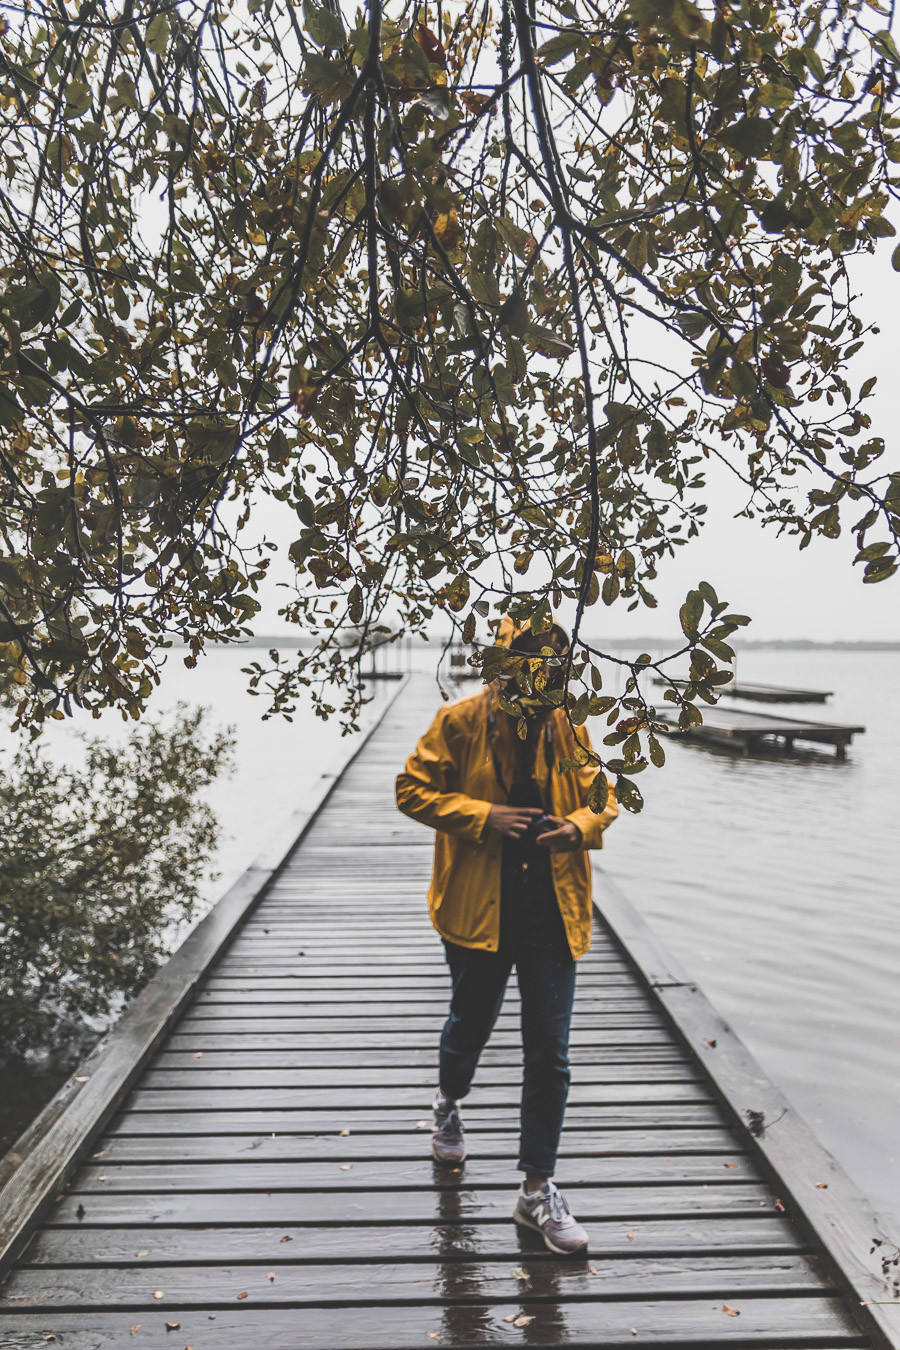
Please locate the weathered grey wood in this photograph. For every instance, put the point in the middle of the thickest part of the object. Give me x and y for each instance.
(759, 693)
(750, 730)
(785, 1323)
(630, 1203)
(323, 1032)
(107, 1177)
(812, 1185)
(485, 1241)
(576, 1143)
(39, 1162)
(354, 1071)
(392, 1119)
(283, 1099)
(192, 1286)
(243, 1073)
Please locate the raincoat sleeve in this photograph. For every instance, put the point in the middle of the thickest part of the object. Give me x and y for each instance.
(590, 824)
(426, 789)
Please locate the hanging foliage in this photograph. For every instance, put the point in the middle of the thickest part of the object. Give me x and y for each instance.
(475, 290)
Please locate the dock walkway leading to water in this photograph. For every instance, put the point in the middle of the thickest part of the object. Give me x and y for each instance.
(266, 1181)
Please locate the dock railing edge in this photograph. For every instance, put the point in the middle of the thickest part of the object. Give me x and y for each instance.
(42, 1159)
(815, 1191)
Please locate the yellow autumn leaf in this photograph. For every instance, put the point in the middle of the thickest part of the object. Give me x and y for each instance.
(446, 229)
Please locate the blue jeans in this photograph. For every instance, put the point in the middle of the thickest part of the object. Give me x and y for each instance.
(533, 939)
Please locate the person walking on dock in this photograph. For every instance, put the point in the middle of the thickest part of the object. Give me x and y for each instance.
(510, 886)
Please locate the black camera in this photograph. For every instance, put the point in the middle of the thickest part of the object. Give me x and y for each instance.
(541, 824)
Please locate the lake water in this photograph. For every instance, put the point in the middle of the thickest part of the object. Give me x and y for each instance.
(774, 880)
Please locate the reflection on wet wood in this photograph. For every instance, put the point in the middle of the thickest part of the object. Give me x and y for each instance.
(790, 1323)
(268, 1182)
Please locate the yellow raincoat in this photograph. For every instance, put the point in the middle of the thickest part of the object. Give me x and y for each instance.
(450, 783)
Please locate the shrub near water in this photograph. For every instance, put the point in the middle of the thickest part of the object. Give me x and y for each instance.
(96, 864)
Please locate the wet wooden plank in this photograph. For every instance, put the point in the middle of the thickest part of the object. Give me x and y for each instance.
(321, 1032)
(242, 1072)
(388, 1118)
(108, 1177)
(635, 1278)
(187, 1065)
(785, 1323)
(616, 996)
(575, 1143)
(287, 1245)
(631, 1203)
(489, 1094)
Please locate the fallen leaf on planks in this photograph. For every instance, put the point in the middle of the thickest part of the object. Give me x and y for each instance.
(242, 1294)
(345, 1131)
(82, 1077)
(287, 1238)
(592, 1270)
(821, 1185)
(198, 1054)
(135, 1329)
(346, 1167)
(158, 1294)
(172, 1326)
(519, 1273)
(433, 1336)
(730, 1312)
(422, 1125)
(732, 1165)
(630, 1237)
(711, 1042)
(779, 1206)
(50, 1336)
(271, 1276)
(524, 1320)
(145, 1252)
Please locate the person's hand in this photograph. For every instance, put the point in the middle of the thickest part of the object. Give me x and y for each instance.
(512, 821)
(564, 839)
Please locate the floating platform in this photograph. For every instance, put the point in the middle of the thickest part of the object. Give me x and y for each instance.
(753, 732)
(244, 1161)
(760, 693)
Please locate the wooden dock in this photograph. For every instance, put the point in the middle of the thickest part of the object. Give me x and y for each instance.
(760, 693)
(755, 732)
(246, 1163)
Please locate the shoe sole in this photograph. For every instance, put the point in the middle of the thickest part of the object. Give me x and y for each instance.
(521, 1220)
(448, 1162)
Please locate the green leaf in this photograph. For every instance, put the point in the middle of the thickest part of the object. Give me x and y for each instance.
(32, 305)
(324, 27)
(157, 35)
(11, 411)
(751, 137)
(598, 793)
(580, 709)
(556, 48)
(690, 613)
